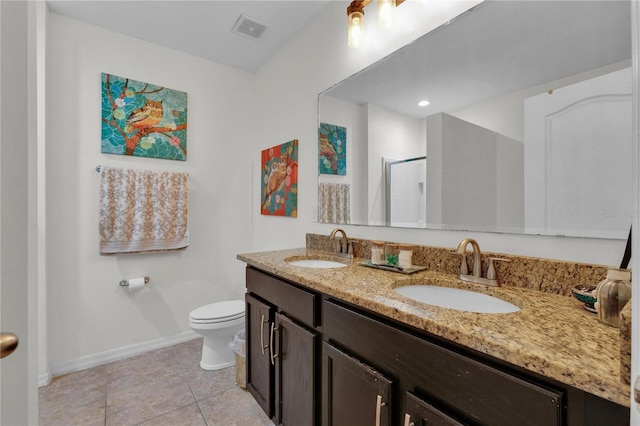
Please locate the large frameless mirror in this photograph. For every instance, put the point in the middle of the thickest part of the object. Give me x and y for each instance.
(527, 130)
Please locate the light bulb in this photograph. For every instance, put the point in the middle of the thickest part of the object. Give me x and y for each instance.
(386, 12)
(354, 33)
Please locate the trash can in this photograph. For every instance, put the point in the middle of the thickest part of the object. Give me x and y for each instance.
(237, 345)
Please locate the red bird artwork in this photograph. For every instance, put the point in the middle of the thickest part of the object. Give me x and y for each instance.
(146, 117)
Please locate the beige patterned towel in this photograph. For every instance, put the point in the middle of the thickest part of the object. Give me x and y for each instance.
(334, 203)
(143, 211)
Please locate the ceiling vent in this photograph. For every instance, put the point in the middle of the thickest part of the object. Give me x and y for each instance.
(249, 27)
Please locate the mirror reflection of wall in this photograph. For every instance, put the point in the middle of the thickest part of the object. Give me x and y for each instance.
(528, 129)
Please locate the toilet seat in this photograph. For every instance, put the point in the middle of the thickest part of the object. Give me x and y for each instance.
(226, 311)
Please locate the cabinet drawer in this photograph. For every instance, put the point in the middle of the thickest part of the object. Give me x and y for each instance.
(295, 301)
(472, 389)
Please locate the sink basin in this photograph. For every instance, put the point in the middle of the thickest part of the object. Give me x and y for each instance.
(455, 298)
(316, 263)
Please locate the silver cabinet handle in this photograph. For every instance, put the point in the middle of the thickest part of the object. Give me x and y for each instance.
(407, 420)
(273, 356)
(262, 346)
(636, 390)
(379, 405)
(8, 343)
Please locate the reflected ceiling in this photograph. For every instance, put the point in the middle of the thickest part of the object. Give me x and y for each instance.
(468, 52)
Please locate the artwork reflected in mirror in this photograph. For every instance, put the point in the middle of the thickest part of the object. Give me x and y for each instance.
(527, 129)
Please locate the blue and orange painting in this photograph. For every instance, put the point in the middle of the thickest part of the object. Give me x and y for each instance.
(332, 150)
(143, 119)
(280, 180)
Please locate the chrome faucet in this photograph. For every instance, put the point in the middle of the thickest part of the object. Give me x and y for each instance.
(476, 275)
(343, 246)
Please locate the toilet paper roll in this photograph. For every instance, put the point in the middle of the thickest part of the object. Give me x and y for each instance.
(136, 284)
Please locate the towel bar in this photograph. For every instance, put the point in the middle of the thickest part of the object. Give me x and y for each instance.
(125, 283)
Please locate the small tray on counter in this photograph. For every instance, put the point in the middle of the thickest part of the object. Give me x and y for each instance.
(398, 269)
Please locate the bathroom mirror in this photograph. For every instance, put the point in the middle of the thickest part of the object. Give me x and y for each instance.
(528, 127)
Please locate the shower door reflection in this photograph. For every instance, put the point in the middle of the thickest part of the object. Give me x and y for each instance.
(405, 195)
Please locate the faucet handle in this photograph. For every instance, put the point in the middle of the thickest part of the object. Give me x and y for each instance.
(491, 271)
(464, 266)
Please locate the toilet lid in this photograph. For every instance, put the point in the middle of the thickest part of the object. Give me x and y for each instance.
(219, 311)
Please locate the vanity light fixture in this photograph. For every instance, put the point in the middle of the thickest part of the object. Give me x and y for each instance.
(423, 103)
(355, 15)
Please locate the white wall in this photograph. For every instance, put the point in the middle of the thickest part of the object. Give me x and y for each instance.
(89, 313)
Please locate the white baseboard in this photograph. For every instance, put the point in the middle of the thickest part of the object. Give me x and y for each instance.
(44, 379)
(114, 355)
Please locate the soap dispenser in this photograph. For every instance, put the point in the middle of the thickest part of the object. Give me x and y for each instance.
(612, 294)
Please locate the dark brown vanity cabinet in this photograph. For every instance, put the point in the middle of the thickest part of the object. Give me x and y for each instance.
(453, 388)
(313, 359)
(282, 348)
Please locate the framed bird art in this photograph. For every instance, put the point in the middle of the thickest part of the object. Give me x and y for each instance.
(279, 187)
(332, 150)
(143, 119)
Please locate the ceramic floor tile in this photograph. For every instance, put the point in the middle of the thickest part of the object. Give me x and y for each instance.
(234, 407)
(150, 396)
(205, 384)
(185, 416)
(148, 363)
(189, 353)
(76, 398)
(157, 388)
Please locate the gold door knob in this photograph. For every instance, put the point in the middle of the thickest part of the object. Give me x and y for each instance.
(8, 343)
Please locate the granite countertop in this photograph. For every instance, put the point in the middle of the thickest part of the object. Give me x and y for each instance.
(552, 335)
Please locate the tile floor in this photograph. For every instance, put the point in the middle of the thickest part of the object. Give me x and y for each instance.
(162, 387)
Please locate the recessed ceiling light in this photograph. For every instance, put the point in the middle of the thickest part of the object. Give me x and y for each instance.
(423, 103)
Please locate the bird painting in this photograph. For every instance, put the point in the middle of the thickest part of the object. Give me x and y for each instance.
(279, 187)
(146, 117)
(328, 152)
(143, 119)
(332, 149)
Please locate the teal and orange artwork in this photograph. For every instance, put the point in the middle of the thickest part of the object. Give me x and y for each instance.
(332, 150)
(279, 195)
(143, 119)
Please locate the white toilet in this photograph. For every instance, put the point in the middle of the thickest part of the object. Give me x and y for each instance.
(218, 323)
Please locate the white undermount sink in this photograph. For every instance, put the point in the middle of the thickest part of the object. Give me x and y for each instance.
(316, 263)
(455, 298)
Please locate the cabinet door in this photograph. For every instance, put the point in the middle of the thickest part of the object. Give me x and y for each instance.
(295, 360)
(421, 413)
(353, 393)
(259, 318)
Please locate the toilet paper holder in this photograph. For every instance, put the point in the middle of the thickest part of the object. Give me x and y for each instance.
(125, 283)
